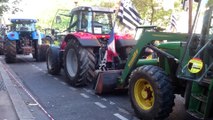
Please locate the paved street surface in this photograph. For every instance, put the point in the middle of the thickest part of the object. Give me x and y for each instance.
(50, 97)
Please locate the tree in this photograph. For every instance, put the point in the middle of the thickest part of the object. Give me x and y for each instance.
(107, 4)
(153, 11)
(9, 6)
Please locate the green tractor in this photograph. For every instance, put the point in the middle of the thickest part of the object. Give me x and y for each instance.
(183, 65)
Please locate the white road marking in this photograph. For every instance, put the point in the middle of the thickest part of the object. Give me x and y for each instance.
(0, 57)
(63, 83)
(100, 105)
(87, 90)
(111, 103)
(104, 99)
(120, 116)
(30, 95)
(49, 75)
(72, 88)
(40, 69)
(84, 95)
(55, 78)
(33, 104)
(33, 65)
(123, 110)
(37, 67)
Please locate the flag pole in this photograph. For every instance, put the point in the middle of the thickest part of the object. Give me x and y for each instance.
(190, 17)
(102, 65)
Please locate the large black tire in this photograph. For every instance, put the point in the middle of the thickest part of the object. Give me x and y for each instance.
(1, 48)
(151, 93)
(41, 53)
(10, 51)
(79, 64)
(53, 63)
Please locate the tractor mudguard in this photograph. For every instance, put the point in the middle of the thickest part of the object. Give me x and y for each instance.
(13, 36)
(86, 41)
(125, 43)
(89, 43)
(35, 35)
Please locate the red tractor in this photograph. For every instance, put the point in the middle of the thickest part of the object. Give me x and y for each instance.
(85, 43)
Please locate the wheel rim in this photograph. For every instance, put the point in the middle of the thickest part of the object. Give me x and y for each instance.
(71, 62)
(144, 94)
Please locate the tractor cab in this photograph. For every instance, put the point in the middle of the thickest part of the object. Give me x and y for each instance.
(22, 25)
(84, 21)
(91, 19)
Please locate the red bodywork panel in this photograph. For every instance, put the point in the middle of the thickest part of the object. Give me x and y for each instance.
(89, 36)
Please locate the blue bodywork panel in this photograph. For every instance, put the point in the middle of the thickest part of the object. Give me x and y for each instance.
(35, 35)
(13, 35)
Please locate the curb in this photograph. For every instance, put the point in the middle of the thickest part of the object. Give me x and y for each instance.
(21, 108)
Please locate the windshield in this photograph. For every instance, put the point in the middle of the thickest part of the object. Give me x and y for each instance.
(102, 22)
(197, 60)
(24, 26)
(91, 22)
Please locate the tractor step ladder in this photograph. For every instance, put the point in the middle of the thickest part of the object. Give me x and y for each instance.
(200, 100)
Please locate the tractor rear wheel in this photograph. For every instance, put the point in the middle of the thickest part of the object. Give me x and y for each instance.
(1, 48)
(151, 92)
(42, 50)
(53, 63)
(10, 51)
(79, 63)
(39, 52)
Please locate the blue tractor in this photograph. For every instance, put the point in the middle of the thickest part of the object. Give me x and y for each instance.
(23, 38)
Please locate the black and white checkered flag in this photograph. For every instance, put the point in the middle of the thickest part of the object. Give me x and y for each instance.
(128, 15)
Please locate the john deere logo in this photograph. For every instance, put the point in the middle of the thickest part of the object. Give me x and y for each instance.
(133, 58)
(195, 65)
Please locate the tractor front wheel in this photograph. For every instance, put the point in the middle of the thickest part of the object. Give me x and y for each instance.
(151, 92)
(10, 51)
(79, 63)
(53, 63)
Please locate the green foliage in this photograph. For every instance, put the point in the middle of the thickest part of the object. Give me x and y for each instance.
(210, 3)
(5, 7)
(64, 17)
(106, 4)
(149, 10)
(153, 11)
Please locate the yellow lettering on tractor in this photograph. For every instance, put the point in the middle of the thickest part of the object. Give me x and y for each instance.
(133, 58)
(157, 35)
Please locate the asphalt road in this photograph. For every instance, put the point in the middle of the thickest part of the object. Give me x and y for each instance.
(50, 97)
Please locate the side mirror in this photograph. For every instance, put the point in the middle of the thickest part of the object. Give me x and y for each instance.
(58, 19)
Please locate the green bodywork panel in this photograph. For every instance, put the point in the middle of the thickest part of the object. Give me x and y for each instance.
(173, 48)
(201, 99)
(149, 38)
(147, 62)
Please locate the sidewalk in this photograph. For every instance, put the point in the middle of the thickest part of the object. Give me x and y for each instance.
(12, 106)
